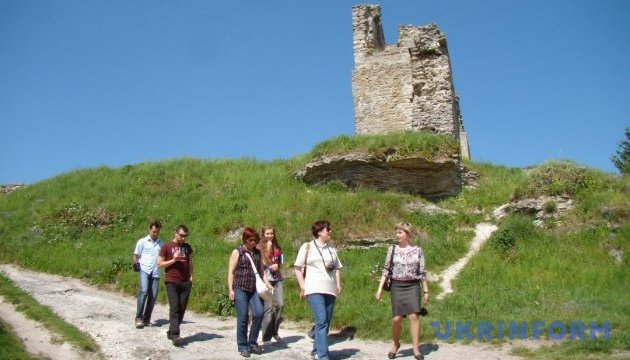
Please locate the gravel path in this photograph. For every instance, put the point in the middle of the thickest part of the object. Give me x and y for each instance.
(36, 338)
(482, 233)
(108, 318)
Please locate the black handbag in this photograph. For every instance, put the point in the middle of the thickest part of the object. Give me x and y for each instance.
(388, 282)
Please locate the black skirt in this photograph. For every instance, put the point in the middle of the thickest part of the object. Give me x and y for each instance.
(405, 298)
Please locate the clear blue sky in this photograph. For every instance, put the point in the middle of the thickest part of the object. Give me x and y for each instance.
(116, 82)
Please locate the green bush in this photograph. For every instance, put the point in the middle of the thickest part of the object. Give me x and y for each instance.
(550, 207)
(503, 240)
(559, 178)
(514, 228)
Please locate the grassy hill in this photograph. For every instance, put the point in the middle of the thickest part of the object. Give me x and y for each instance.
(85, 223)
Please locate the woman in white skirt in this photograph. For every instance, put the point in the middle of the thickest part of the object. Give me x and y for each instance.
(407, 271)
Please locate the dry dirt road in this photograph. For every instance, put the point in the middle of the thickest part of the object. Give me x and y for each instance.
(108, 318)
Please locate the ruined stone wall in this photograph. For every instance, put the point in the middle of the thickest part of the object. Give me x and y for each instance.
(382, 89)
(407, 86)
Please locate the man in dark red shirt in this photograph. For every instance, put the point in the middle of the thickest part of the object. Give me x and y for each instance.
(175, 256)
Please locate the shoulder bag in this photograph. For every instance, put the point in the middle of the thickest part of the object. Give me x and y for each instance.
(308, 247)
(261, 288)
(388, 283)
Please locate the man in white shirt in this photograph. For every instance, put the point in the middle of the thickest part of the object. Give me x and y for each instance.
(145, 263)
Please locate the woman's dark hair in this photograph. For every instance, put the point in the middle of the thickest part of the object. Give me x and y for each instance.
(249, 233)
(318, 226)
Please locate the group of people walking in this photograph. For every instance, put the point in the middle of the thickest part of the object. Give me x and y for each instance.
(317, 268)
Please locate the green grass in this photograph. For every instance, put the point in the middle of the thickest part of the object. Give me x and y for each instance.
(547, 276)
(392, 145)
(564, 272)
(42, 314)
(560, 178)
(12, 347)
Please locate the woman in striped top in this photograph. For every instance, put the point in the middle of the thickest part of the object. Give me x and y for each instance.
(241, 283)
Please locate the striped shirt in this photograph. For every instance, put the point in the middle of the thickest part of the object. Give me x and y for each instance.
(244, 276)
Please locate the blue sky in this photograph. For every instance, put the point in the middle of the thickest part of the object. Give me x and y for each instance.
(116, 82)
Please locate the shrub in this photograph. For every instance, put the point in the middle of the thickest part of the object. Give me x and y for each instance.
(512, 229)
(559, 178)
(503, 240)
(550, 207)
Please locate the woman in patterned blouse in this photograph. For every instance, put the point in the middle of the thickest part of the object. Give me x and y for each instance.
(408, 271)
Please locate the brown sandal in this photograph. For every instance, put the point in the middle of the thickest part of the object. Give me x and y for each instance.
(418, 357)
(392, 354)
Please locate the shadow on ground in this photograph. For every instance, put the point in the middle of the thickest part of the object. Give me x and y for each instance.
(199, 337)
(280, 345)
(345, 334)
(425, 349)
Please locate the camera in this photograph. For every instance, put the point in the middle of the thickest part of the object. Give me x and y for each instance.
(331, 266)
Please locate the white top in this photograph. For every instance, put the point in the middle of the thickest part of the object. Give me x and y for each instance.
(318, 280)
(148, 251)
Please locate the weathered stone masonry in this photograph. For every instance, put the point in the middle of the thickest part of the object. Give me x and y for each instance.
(407, 86)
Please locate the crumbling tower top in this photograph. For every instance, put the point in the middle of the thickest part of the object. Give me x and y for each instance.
(406, 86)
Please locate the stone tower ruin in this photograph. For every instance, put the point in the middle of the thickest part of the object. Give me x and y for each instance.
(406, 86)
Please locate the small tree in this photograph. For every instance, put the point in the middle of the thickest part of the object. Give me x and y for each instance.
(622, 157)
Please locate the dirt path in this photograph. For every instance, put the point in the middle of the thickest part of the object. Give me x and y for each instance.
(36, 338)
(108, 318)
(482, 233)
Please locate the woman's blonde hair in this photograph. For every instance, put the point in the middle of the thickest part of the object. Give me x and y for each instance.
(406, 227)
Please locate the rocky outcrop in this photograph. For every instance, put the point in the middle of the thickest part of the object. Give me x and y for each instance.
(469, 177)
(542, 208)
(427, 208)
(7, 188)
(415, 175)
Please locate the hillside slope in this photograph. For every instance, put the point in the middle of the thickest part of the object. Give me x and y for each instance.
(84, 224)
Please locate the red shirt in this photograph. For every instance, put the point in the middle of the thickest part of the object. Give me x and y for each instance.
(179, 271)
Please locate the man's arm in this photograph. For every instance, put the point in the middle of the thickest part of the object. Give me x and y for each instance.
(165, 263)
(191, 267)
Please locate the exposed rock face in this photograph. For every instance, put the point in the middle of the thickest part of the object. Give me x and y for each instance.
(414, 175)
(544, 207)
(5, 189)
(617, 255)
(428, 208)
